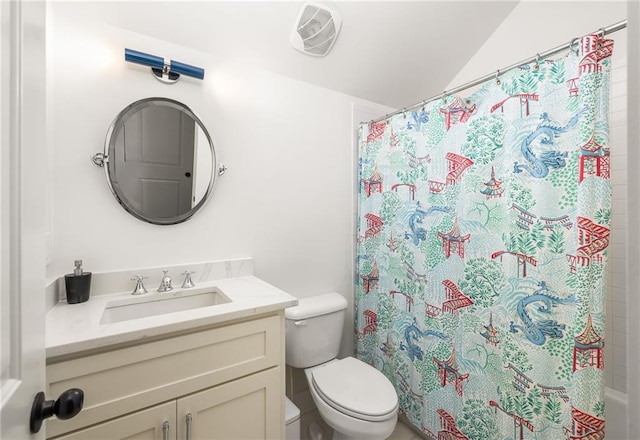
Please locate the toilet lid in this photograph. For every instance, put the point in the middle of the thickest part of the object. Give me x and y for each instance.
(355, 388)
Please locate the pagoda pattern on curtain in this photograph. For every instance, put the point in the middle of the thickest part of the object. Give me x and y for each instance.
(482, 238)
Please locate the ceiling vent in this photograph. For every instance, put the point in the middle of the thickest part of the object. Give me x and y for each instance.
(316, 29)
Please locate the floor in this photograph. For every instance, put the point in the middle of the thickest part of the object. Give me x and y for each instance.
(403, 432)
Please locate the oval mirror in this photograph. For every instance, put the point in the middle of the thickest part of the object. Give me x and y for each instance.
(159, 161)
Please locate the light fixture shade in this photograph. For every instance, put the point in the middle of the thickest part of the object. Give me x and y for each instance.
(316, 29)
(163, 69)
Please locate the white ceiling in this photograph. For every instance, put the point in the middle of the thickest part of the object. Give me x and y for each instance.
(387, 52)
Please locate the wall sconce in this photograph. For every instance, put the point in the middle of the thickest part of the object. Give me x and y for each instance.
(163, 69)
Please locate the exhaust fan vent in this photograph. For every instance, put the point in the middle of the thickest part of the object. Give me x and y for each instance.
(316, 29)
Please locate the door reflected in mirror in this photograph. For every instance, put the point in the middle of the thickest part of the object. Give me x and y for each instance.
(160, 161)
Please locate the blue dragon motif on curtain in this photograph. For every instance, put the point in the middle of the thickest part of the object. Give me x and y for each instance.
(412, 333)
(537, 332)
(539, 166)
(415, 220)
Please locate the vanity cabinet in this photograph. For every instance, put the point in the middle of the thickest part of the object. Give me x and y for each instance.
(228, 380)
(239, 410)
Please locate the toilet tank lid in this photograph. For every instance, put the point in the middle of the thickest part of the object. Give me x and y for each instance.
(316, 306)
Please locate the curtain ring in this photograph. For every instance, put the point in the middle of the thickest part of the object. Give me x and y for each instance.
(600, 34)
(404, 112)
(577, 49)
(444, 96)
(423, 104)
(498, 82)
(537, 65)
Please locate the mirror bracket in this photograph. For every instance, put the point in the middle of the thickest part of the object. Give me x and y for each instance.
(222, 169)
(99, 159)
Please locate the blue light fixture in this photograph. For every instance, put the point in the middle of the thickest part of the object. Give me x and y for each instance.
(163, 69)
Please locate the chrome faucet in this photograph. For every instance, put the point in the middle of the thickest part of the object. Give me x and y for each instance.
(139, 289)
(165, 284)
(187, 284)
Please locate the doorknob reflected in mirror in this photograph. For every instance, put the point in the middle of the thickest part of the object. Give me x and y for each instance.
(67, 406)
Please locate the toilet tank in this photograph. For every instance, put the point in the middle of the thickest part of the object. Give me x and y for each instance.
(314, 329)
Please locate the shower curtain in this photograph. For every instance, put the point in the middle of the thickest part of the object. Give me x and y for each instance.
(482, 238)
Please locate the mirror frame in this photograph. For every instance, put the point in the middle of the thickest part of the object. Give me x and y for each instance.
(110, 139)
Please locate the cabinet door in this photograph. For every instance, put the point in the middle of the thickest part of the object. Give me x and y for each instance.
(244, 409)
(124, 380)
(156, 423)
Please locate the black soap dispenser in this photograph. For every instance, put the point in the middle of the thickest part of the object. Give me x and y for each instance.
(78, 284)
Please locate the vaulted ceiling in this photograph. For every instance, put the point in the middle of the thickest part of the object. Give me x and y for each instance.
(390, 52)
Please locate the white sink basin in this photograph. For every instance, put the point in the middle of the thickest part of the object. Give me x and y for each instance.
(153, 304)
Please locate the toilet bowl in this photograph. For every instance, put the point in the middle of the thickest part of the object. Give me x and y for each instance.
(355, 399)
(352, 397)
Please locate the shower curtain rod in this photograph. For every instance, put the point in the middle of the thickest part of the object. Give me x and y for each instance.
(604, 31)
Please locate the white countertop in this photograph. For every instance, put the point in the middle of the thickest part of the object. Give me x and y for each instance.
(73, 328)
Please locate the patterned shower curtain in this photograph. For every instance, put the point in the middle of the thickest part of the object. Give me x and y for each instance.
(483, 229)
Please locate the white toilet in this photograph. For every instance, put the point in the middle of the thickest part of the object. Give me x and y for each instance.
(354, 398)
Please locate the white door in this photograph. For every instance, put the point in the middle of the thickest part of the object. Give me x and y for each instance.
(155, 161)
(22, 260)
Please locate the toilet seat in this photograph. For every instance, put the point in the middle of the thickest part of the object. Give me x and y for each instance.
(356, 389)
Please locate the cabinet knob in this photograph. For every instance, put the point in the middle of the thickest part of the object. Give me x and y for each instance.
(67, 406)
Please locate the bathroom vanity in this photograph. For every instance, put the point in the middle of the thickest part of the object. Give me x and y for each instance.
(212, 371)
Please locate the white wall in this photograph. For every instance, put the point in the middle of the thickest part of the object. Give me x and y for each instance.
(285, 200)
(616, 347)
(535, 27)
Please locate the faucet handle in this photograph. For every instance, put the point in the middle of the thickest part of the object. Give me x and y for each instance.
(187, 283)
(139, 289)
(165, 284)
